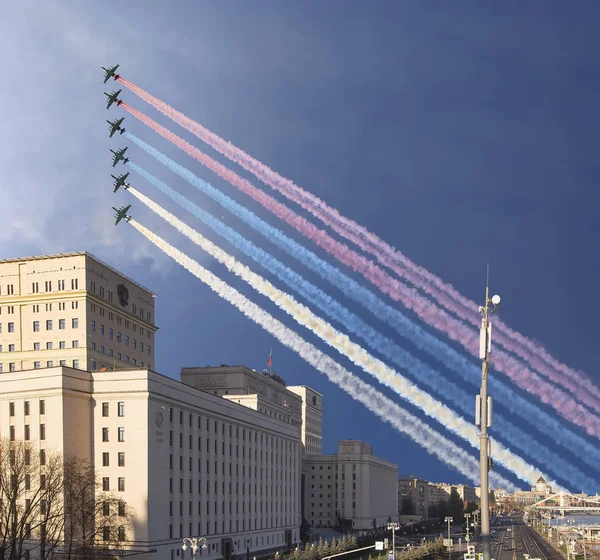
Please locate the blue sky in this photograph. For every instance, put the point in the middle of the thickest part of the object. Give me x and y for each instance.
(460, 133)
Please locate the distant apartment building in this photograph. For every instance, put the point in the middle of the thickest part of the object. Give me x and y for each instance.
(351, 488)
(413, 496)
(312, 419)
(466, 493)
(73, 310)
(187, 462)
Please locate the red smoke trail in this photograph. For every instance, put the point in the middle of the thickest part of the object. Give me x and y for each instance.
(425, 309)
(443, 293)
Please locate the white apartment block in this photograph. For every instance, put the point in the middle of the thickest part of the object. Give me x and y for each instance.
(351, 487)
(187, 462)
(466, 493)
(312, 418)
(73, 310)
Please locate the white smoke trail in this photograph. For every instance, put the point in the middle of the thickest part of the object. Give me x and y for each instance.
(373, 400)
(345, 346)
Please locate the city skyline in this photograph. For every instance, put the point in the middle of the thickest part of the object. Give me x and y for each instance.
(515, 272)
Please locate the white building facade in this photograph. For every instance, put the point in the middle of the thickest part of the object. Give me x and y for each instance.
(187, 463)
(73, 310)
(312, 419)
(352, 488)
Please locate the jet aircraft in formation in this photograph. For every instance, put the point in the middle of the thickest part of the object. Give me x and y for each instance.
(119, 155)
(110, 72)
(115, 125)
(113, 98)
(121, 213)
(120, 182)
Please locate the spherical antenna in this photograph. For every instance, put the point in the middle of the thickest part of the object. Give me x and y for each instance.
(496, 299)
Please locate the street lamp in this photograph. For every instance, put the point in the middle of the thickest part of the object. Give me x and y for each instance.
(449, 520)
(468, 538)
(393, 527)
(193, 543)
(483, 414)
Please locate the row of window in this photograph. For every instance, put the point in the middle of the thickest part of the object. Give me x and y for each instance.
(27, 432)
(120, 320)
(62, 306)
(103, 367)
(35, 287)
(12, 366)
(26, 407)
(125, 339)
(62, 344)
(62, 324)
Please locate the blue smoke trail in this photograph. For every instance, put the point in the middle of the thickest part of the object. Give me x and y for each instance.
(418, 370)
(422, 339)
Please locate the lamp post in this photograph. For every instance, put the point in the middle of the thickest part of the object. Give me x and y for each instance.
(468, 538)
(193, 544)
(393, 527)
(483, 415)
(449, 520)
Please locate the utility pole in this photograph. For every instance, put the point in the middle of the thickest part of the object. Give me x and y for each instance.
(393, 527)
(468, 538)
(483, 414)
(449, 520)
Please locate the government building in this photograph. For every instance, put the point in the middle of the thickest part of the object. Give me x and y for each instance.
(73, 310)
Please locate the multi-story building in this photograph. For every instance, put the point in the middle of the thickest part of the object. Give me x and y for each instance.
(264, 392)
(72, 309)
(413, 496)
(437, 496)
(312, 418)
(466, 493)
(351, 488)
(187, 463)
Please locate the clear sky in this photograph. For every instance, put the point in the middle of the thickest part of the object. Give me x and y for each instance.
(459, 132)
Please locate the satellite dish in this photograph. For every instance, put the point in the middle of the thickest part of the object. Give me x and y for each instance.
(496, 299)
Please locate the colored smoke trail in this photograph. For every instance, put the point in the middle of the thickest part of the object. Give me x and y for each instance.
(342, 343)
(373, 400)
(409, 297)
(421, 338)
(387, 255)
(422, 372)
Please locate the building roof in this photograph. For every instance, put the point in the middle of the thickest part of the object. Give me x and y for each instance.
(541, 480)
(77, 254)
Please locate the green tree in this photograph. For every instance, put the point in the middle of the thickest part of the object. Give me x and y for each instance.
(455, 506)
(407, 507)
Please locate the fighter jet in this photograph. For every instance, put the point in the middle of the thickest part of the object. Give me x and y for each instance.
(119, 155)
(115, 125)
(112, 98)
(121, 213)
(109, 72)
(120, 182)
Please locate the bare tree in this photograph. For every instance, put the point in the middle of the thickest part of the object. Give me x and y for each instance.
(47, 502)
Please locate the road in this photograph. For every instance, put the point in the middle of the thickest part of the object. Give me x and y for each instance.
(512, 539)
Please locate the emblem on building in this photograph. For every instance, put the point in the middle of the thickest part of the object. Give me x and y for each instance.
(123, 294)
(159, 419)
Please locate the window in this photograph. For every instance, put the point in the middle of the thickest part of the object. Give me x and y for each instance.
(93, 368)
(92, 325)
(27, 432)
(36, 365)
(9, 290)
(101, 349)
(121, 408)
(48, 284)
(121, 485)
(49, 363)
(121, 434)
(121, 533)
(61, 324)
(36, 345)
(106, 533)
(36, 326)
(73, 283)
(118, 336)
(106, 484)
(42, 406)
(106, 508)
(105, 459)
(48, 345)
(110, 333)
(126, 337)
(104, 434)
(62, 344)
(63, 362)
(12, 433)
(42, 432)
(11, 366)
(121, 508)
(75, 364)
(11, 408)
(61, 284)
(26, 408)
(76, 344)
(11, 347)
(134, 343)
(49, 325)
(36, 308)
(35, 288)
(102, 330)
(48, 307)
(42, 457)
(121, 458)
(11, 327)
(104, 409)
(75, 322)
